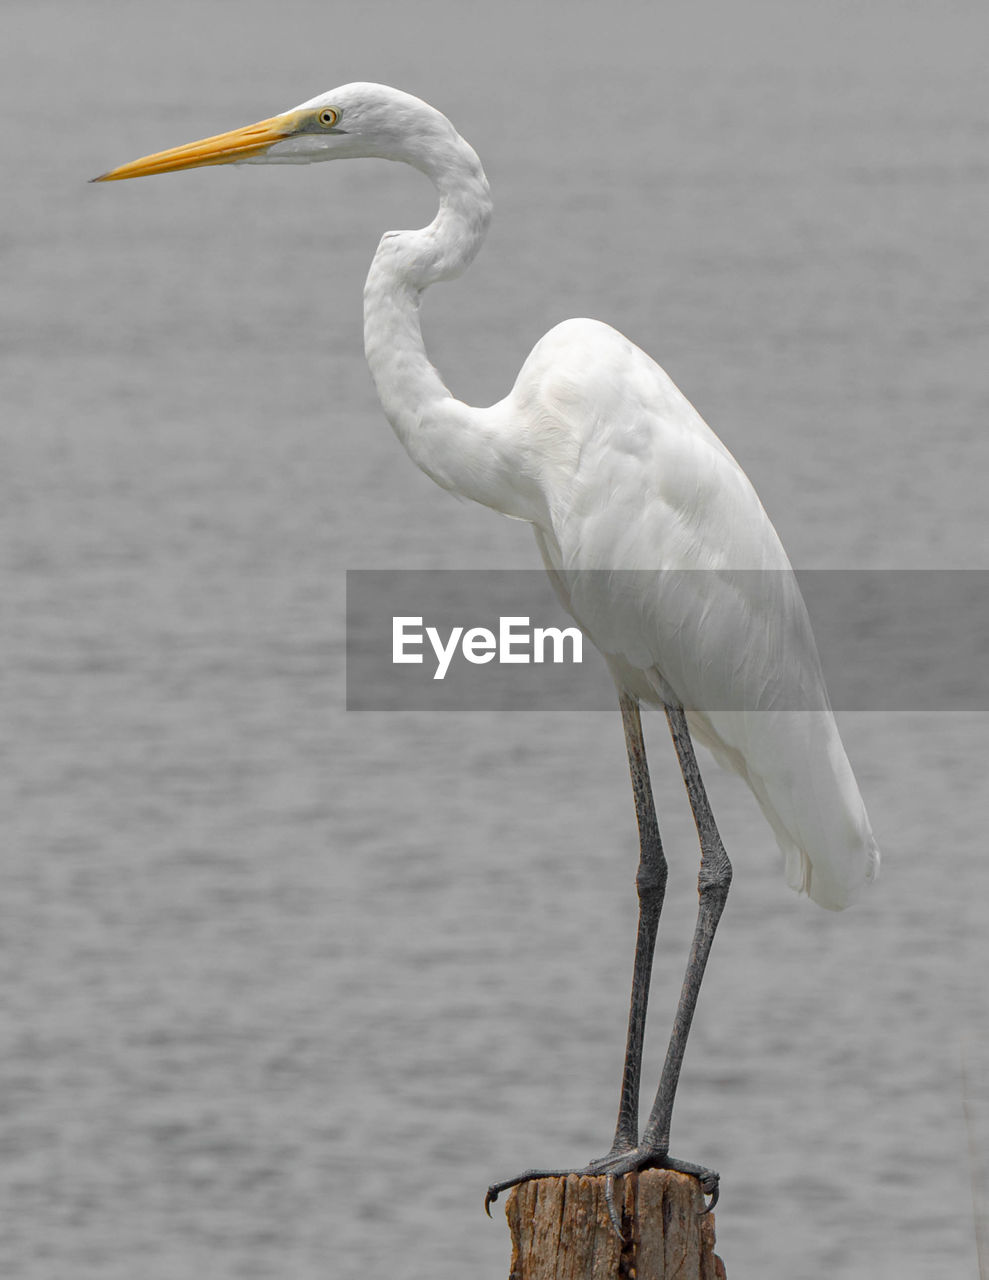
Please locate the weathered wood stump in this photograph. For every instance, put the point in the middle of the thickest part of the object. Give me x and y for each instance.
(561, 1229)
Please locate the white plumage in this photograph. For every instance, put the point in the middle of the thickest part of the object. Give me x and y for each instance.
(705, 609)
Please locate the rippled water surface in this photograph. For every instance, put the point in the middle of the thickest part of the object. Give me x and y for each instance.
(284, 987)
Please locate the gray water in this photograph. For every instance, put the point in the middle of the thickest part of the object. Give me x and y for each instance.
(284, 987)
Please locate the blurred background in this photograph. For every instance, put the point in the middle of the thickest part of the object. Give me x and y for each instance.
(285, 987)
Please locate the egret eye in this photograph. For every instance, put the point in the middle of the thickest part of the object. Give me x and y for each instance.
(327, 117)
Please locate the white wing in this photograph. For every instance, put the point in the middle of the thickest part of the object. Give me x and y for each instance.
(660, 548)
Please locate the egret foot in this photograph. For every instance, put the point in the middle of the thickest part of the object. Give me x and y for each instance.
(612, 1166)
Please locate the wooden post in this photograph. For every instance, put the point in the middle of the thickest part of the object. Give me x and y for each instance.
(561, 1229)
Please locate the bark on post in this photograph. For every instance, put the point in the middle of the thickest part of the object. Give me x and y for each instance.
(561, 1229)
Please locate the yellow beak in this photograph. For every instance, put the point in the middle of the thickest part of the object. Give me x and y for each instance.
(224, 148)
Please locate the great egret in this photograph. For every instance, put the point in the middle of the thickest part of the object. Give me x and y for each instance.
(615, 471)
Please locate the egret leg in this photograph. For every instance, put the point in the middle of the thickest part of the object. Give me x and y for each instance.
(712, 890)
(652, 1151)
(650, 884)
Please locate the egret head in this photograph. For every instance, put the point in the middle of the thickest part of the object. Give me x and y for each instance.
(352, 121)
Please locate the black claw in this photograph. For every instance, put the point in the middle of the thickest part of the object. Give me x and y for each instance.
(625, 1162)
(609, 1197)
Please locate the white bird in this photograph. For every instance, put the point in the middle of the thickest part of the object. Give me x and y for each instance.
(652, 534)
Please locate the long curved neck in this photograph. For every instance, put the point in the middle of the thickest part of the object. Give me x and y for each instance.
(454, 444)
